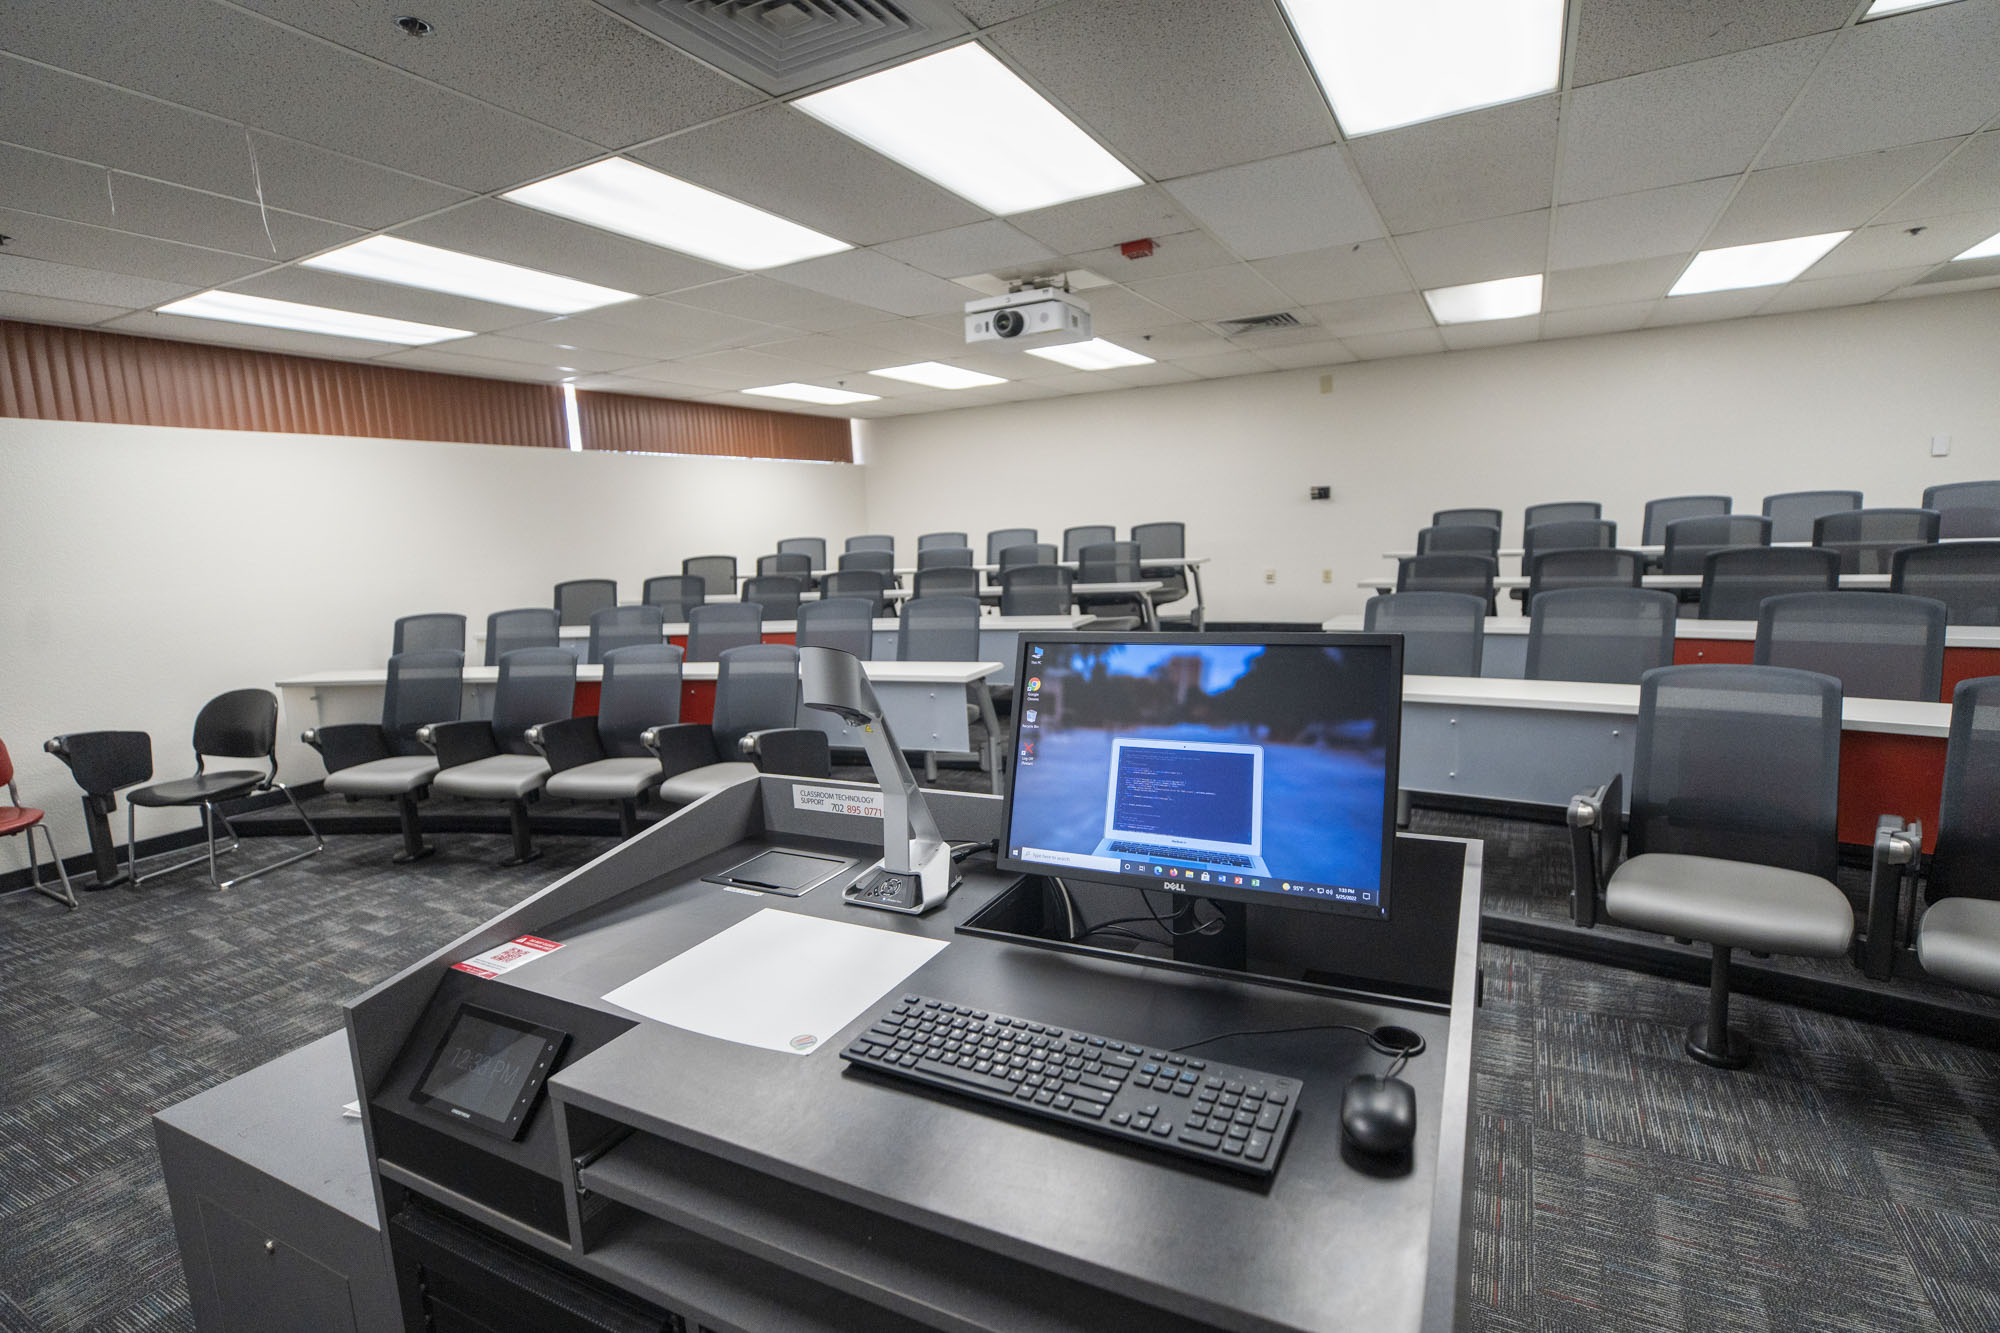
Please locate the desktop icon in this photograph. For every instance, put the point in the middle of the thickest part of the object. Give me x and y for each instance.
(1028, 715)
(1239, 879)
(1156, 870)
(1034, 684)
(1204, 877)
(1036, 652)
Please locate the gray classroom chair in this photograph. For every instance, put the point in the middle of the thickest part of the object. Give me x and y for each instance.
(1868, 539)
(778, 594)
(1878, 645)
(812, 548)
(491, 760)
(604, 758)
(1732, 832)
(1039, 553)
(1000, 539)
(944, 557)
(1958, 936)
(674, 594)
(1473, 518)
(1609, 635)
(523, 627)
(388, 761)
(625, 627)
(875, 562)
(1562, 511)
(857, 583)
(951, 581)
(1161, 541)
(939, 629)
(1110, 562)
(1689, 540)
(1562, 535)
(1735, 581)
(1964, 575)
(1582, 567)
(716, 627)
(1792, 513)
(788, 564)
(838, 620)
(579, 599)
(430, 632)
(1661, 512)
(1036, 590)
(934, 539)
(1459, 539)
(716, 572)
(1470, 574)
(873, 541)
(1089, 534)
(1443, 632)
(754, 728)
(1968, 521)
(1963, 495)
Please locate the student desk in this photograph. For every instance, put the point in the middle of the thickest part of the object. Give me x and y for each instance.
(1138, 589)
(1671, 582)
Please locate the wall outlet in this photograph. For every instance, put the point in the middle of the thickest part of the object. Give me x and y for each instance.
(1270, 576)
(1940, 446)
(1326, 576)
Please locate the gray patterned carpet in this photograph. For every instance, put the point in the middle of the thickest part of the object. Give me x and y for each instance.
(1850, 1181)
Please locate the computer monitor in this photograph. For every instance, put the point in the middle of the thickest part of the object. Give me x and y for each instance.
(1251, 768)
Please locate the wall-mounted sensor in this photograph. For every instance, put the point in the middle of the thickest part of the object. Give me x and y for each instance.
(1322, 492)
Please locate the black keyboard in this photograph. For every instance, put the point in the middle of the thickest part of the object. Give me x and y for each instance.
(1180, 854)
(1212, 1112)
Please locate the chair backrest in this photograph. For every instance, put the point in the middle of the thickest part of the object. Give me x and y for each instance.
(103, 762)
(778, 594)
(580, 599)
(1965, 576)
(868, 584)
(1469, 574)
(422, 688)
(1868, 538)
(1689, 540)
(839, 621)
(1161, 541)
(429, 632)
(1443, 632)
(716, 627)
(1035, 553)
(536, 685)
(1036, 590)
(877, 562)
(1611, 635)
(944, 557)
(1459, 539)
(1963, 495)
(1736, 580)
(1582, 567)
(949, 581)
(675, 593)
(1878, 645)
(717, 573)
(1966, 861)
(1792, 512)
(939, 629)
(1740, 763)
(1661, 512)
(930, 539)
(873, 541)
(239, 724)
(1090, 534)
(642, 689)
(1471, 518)
(6, 765)
(625, 627)
(523, 627)
(756, 688)
(1108, 562)
(1562, 511)
(1968, 521)
(1000, 539)
(1565, 534)
(812, 548)
(789, 564)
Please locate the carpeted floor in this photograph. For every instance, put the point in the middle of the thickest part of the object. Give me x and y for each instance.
(1849, 1181)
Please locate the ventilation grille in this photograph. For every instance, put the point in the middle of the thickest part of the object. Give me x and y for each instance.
(1284, 319)
(782, 46)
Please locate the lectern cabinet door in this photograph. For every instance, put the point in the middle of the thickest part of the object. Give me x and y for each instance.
(264, 1285)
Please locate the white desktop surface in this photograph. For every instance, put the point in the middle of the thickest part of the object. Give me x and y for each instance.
(1744, 631)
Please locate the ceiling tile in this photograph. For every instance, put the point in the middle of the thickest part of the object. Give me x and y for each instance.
(1967, 182)
(342, 292)
(495, 229)
(1233, 292)
(1283, 205)
(986, 13)
(758, 366)
(1619, 37)
(112, 127)
(1710, 306)
(628, 383)
(1986, 283)
(1186, 252)
(305, 178)
(1891, 246)
(150, 324)
(51, 310)
(58, 186)
(686, 326)
(1477, 251)
(34, 236)
(909, 340)
(1837, 194)
(1225, 364)
(1160, 372)
(457, 363)
(1104, 221)
(830, 352)
(646, 344)
(1621, 318)
(1484, 164)
(1687, 123)
(1341, 273)
(1306, 356)
(790, 164)
(1180, 340)
(1098, 58)
(732, 372)
(174, 213)
(68, 282)
(1369, 315)
(1668, 221)
(754, 296)
(871, 279)
(1640, 280)
(1383, 346)
(977, 247)
(1116, 310)
(1491, 333)
(1819, 293)
(1012, 363)
(573, 360)
(1915, 77)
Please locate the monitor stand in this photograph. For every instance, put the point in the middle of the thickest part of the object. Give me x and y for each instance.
(1227, 949)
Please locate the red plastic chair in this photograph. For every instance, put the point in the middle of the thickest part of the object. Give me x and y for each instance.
(17, 818)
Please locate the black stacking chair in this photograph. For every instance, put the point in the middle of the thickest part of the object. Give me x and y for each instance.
(778, 594)
(1563, 511)
(1609, 635)
(874, 541)
(812, 548)
(788, 564)
(580, 599)
(1035, 590)
(1659, 513)
(716, 572)
(1474, 518)
(944, 557)
(858, 583)
(1965, 576)
(1689, 540)
(1958, 937)
(388, 761)
(1443, 632)
(716, 627)
(1090, 534)
(523, 627)
(1963, 495)
(1732, 834)
(1968, 522)
(1792, 513)
(953, 581)
(429, 633)
(103, 764)
(1163, 541)
(947, 539)
(242, 724)
(1459, 539)
(1735, 581)
(492, 759)
(1868, 539)
(674, 594)
(604, 758)
(939, 629)
(1470, 574)
(839, 620)
(625, 627)
(754, 729)
(1581, 567)
(1878, 645)
(1110, 562)
(26, 821)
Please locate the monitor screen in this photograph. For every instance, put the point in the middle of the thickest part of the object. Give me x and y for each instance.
(1257, 769)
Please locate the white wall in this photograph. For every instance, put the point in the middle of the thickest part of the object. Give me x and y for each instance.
(1845, 398)
(149, 569)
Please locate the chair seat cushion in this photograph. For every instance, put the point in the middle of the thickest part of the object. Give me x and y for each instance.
(384, 777)
(696, 783)
(200, 787)
(605, 780)
(1733, 903)
(14, 818)
(1958, 941)
(500, 777)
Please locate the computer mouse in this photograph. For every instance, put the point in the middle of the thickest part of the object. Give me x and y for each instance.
(1378, 1115)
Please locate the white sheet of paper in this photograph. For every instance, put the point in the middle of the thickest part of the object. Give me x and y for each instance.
(780, 980)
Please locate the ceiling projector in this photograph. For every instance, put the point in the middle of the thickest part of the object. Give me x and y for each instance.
(1036, 317)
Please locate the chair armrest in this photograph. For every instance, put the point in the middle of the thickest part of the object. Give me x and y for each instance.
(797, 751)
(348, 743)
(1897, 845)
(1596, 828)
(567, 742)
(681, 746)
(458, 743)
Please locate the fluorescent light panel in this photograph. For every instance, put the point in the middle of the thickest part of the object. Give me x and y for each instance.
(1884, 8)
(1386, 63)
(937, 375)
(1764, 264)
(409, 264)
(663, 210)
(1986, 249)
(1096, 354)
(237, 308)
(1501, 298)
(813, 393)
(966, 121)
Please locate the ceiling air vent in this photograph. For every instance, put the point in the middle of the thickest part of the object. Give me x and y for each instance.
(1284, 319)
(782, 46)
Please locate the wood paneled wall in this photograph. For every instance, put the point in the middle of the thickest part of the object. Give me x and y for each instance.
(635, 424)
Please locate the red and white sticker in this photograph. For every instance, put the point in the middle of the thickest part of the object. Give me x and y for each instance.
(507, 957)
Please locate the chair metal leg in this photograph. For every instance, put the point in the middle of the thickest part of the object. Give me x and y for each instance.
(1712, 1042)
(68, 892)
(628, 818)
(319, 843)
(414, 846)
(524, 845)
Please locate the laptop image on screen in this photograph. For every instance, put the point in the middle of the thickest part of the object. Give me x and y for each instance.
(1186, 803)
